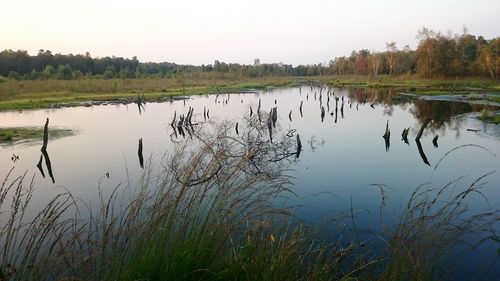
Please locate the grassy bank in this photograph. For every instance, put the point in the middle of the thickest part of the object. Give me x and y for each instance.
(490, 117)
(47, 93)
(16, 134)
(419, 84)
(41, 94)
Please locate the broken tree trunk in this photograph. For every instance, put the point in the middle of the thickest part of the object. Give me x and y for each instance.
(45, 136)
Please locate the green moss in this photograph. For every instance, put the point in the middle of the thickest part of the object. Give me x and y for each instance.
(15, 134)
(490, 117)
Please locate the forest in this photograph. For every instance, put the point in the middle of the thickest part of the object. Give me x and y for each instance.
(438, 55)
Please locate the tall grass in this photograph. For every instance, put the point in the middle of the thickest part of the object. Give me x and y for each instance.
(209, 215)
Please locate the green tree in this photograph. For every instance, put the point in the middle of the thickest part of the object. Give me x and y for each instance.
(48, 72)
(391, 55)
(13, 75)
(110, 72)
(65, 72)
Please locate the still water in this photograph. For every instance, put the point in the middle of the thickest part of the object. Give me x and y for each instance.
(343, 152)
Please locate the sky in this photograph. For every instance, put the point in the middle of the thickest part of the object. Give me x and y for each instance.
(199, 32)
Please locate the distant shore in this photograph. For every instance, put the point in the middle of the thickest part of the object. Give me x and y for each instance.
(33, 94)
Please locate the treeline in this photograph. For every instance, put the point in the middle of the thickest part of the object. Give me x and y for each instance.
(437, 55)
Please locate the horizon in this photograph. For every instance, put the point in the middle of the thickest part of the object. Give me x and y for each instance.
(192, 33)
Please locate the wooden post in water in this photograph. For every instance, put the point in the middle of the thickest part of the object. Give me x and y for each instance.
(404, 135)
(45, 135)
(270, 127)
(139, 153)
(274, 112)
(435, 141)
(387, 133)
(299, 143)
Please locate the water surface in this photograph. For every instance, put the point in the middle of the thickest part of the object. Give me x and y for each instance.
(343, 152)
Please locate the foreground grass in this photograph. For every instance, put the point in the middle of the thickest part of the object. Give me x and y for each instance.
(48, 93)
(15, 134)
(208, 216)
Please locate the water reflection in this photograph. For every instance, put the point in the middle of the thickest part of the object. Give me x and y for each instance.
(421, 152)
(44, 154)
(387, 137)
(139, 153)
(404, 135)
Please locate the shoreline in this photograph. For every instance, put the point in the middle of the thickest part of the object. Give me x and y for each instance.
(40, 94)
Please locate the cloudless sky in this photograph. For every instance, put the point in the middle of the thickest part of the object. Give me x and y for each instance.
(199, 32)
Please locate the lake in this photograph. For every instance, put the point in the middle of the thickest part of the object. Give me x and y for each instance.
(343, 153)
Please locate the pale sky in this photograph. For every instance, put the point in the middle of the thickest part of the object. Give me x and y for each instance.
(199, 32)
